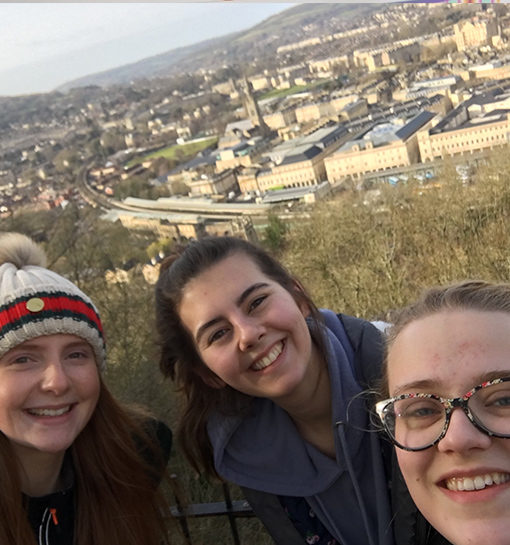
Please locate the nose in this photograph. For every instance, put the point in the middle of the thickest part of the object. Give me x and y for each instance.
(55, 378)
(251, 331)
(462, 435)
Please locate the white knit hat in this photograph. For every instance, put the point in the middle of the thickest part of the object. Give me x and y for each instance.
(35, 301)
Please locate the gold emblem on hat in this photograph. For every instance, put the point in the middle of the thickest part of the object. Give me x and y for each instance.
(35, 304)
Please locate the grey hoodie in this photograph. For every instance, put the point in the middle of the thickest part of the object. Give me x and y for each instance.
(265, 452)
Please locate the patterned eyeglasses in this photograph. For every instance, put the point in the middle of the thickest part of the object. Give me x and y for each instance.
(418, 421)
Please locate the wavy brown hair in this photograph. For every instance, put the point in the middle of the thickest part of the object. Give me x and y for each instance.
(180, 359)
(474, 295)
(117, 469)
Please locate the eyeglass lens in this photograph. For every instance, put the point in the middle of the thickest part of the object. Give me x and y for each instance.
(419, 421)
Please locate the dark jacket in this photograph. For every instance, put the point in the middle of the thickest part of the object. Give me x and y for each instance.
(52, 516)
(409, 526)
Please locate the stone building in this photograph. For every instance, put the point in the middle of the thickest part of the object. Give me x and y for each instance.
(299, 162)
(215, 184)
(475, 125)
(387, 145)
(252, 109)
(474, 33)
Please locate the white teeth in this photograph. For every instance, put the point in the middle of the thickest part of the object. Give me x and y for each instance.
(469, 484)
(476, 483)
(269, 359)
(50, 412)
(479, 483)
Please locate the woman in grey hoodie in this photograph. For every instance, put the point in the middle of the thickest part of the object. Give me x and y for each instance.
(271, 395)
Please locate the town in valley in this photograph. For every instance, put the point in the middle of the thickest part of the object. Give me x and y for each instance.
(268, 122)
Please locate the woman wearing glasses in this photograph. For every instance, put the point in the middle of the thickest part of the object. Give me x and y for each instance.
(448, 372)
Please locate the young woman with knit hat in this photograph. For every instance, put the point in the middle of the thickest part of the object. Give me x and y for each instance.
(76, 468)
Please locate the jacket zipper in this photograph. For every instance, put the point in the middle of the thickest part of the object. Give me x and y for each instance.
(44, 523)
(49, 515)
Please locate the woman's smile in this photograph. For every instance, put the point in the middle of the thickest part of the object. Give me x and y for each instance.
(265, 361)
(248, 329)
(51, 412)
(462, 483)
(49, 389)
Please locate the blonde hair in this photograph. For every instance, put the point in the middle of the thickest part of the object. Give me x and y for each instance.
(468, 295)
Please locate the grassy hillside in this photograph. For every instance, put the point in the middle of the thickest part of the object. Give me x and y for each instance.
(305, 14)
(373, 253)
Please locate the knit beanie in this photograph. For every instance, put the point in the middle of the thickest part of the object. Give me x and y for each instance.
(35, 301)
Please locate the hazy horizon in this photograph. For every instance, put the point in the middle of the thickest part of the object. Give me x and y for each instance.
(46, 45)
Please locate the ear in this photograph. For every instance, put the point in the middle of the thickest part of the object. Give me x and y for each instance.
(303, 306)
(212, 380)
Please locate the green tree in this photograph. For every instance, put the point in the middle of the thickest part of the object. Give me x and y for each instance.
(275, 233)
(66, 160)
(162, 245)
(113, 141)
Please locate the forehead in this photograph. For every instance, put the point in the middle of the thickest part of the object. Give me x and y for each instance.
(450, 348)
(57, 339)
(227, 275)
(220, 283)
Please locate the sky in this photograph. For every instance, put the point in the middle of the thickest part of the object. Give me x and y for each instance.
(43, 45)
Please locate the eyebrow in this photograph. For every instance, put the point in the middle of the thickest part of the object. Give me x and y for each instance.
(239, 301)
(28, 345)
(421, 385)
(417, 386)
(78, 344)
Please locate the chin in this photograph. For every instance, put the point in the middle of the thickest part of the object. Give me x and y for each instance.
(55, 447)
(490, 532)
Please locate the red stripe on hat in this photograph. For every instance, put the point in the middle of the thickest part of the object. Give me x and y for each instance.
(19, 310)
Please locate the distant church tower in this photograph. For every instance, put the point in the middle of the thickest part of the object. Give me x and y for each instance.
(252, 108)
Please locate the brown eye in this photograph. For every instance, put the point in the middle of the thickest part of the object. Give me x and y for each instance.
(21, 359)
(77, 355)
(257, 302)
(217, 335)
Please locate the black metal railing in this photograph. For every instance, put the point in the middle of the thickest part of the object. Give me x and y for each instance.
(231, 509)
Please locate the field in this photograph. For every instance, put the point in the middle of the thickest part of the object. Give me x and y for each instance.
(292, 90)
(183, 153)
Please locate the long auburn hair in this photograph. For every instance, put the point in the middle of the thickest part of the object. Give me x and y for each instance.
(475, 295)
(179, 358)
(116, 496)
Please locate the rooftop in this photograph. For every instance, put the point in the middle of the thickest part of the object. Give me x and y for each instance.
(388, 132)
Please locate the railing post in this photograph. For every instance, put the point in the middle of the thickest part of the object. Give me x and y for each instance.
(231, 516)
(183, 521)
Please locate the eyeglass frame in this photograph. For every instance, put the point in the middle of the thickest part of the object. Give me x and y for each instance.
(449, 405)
